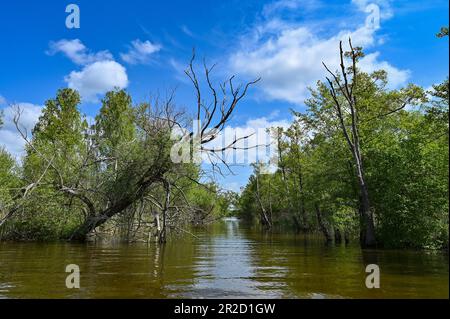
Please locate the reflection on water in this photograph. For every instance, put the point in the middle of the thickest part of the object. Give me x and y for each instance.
(225, 260)
(223, 266)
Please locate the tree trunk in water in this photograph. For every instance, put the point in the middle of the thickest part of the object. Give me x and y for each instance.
(296, 224)
(94, 221)
(337, 235)
(300, 190)
(368, 229)
(154, 174)
(304, 222)
(322, 225)
(158, 226)
(346, 237)
(352, 137)
(162, 233)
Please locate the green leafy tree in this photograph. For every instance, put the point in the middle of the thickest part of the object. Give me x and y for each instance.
(115, 122)
(54, 156)
(9, 181)
(403, 140)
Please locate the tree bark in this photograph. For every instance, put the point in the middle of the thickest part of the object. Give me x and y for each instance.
(267, 223)
(322, 225)
(368, 229)
(346, 237)
(337, 235)
(154, 174)
(302, 200)
(162, 233)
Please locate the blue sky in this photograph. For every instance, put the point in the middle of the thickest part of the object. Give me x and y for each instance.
(145, 46)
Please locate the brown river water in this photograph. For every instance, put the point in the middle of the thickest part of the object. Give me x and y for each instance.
(224, 260)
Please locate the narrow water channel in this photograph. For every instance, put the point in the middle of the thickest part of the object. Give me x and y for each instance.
(224, 260)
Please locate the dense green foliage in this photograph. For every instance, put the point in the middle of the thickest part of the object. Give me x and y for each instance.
(71, 172)
(404, 141)
(116, 177)
(8, 179)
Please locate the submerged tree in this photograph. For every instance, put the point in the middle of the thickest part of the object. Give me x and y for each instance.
(346, 100)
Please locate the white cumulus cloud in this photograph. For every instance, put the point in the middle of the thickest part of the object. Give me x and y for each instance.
(140, 52)
(98, 78)
(99, 72)
(372, 63)
(77, 52)
(9, 136)
(288, 56)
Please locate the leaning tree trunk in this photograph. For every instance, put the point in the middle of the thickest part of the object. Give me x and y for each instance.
(95, 219)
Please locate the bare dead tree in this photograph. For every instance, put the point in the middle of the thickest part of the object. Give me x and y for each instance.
(212, 117)
(341, 85)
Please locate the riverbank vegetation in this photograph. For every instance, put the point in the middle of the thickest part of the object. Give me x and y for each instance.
(363, 161)
(117, 175)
